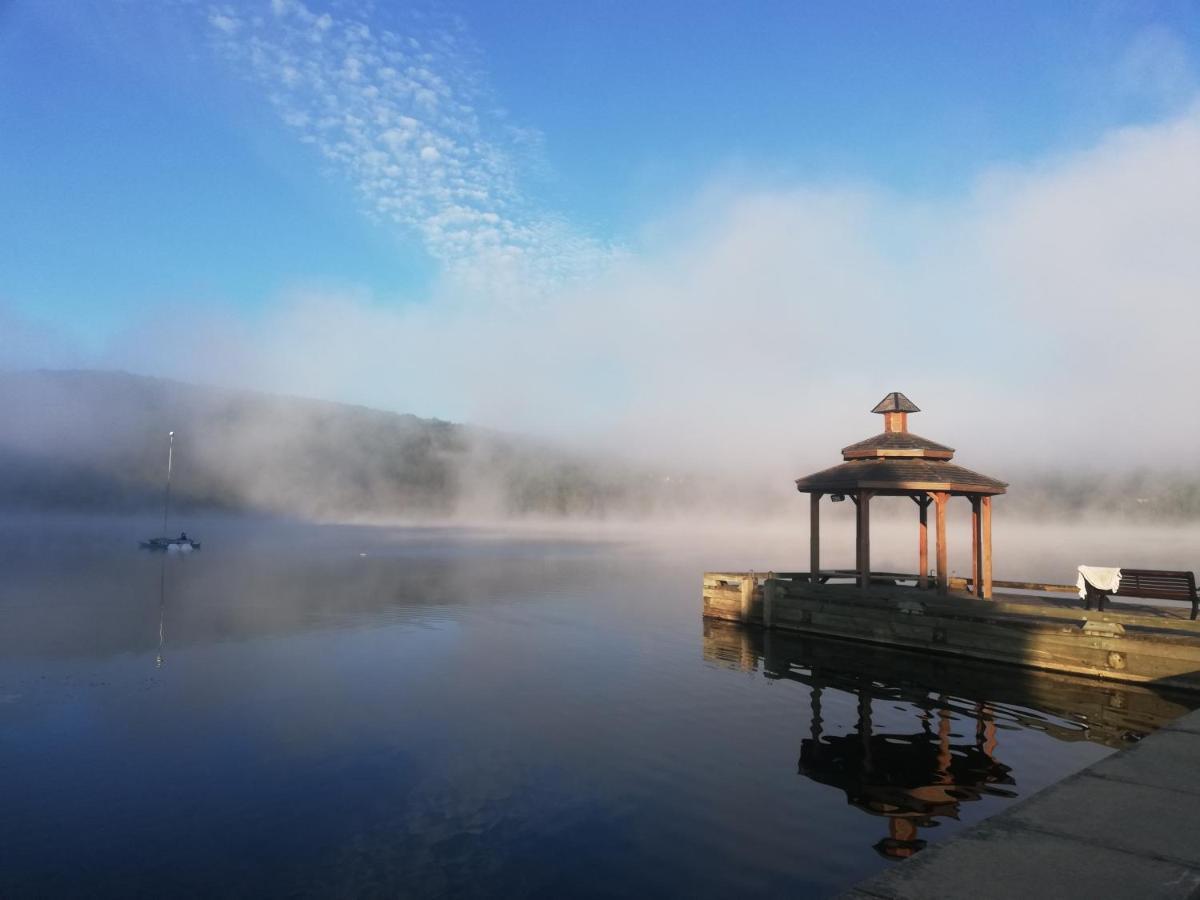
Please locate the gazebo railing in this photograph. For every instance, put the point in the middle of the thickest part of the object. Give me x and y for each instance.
(965, 584)
(824, 575)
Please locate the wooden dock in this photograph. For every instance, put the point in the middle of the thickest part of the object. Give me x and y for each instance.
(1113, 713)
(1040, 627)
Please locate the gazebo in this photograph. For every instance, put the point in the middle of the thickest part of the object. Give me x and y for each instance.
(898, 463)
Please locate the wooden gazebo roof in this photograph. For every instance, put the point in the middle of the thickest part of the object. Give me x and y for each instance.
(895, 402)
(897, 443)
(903, 476)
(900, 463)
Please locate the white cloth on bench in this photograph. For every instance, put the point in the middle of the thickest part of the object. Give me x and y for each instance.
(1099, 577)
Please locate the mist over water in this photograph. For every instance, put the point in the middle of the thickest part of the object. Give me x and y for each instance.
(473, 712)
(96, 442)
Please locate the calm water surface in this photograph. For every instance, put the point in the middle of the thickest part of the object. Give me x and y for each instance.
(383, 712)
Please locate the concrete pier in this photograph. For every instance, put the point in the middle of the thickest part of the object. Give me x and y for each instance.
(1128, 826)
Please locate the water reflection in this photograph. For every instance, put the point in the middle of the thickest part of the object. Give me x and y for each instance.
(107, 599)
(162, 611)
(911, 777)
(926, 734)
(472, 716)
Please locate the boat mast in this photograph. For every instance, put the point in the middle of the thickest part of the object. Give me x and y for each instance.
(167, 498)
(162, 610)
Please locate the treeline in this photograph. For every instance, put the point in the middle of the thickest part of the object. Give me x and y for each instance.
(1170, 495)
(87, 440)
(97, 441)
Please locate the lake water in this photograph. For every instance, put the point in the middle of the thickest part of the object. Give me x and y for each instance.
(343, 711)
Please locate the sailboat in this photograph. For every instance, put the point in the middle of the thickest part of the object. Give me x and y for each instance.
(172, 544)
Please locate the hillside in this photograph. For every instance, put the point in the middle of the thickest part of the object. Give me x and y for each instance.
(96, 441)
(87, 440)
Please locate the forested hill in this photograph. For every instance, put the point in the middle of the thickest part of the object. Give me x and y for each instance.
(97, 441)
(88, 440)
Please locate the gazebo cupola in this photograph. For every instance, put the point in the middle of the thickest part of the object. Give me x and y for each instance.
(895, 408)
(899, 463)
(897, 441)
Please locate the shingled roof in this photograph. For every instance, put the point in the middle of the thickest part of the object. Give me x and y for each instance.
(898, 443)
(900, 475)
(895, 402)
(898, 461)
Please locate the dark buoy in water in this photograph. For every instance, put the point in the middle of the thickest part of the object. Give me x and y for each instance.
(182, 543)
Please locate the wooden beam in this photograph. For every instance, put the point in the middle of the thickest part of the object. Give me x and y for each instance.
(749, 583)
(864, 539)
(976, 559)
(965, 584)
(857, 532)
(987, 548)
(923, 577)
(943, 568)
(814, 537)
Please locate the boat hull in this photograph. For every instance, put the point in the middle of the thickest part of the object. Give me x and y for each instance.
(167, 545)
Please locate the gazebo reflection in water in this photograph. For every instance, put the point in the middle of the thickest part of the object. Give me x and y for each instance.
(911, 737)
(911, 777)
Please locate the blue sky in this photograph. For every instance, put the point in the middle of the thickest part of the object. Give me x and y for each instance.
(139, 166)
(463, 162)
(638, 99)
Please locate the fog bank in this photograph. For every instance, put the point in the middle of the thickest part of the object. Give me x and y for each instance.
(97, 442)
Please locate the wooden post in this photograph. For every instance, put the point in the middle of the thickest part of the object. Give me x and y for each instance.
(976, 560)
(814, 537)
(749, 581)
(864, 539)
(768, 608)
(857, 531)
(987, 548)
(923, 577)
(943, 568)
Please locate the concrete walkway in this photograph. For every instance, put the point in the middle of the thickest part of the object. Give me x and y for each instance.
(1128, 826)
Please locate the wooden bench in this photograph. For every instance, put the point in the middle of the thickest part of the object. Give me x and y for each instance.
(1150, 584)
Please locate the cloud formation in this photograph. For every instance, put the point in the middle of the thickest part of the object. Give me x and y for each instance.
(404, 115)
(1044, 317)
(1048, 318)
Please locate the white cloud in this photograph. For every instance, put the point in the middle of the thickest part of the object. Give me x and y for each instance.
(396, 114)
(224, 22)
(1050, 316)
